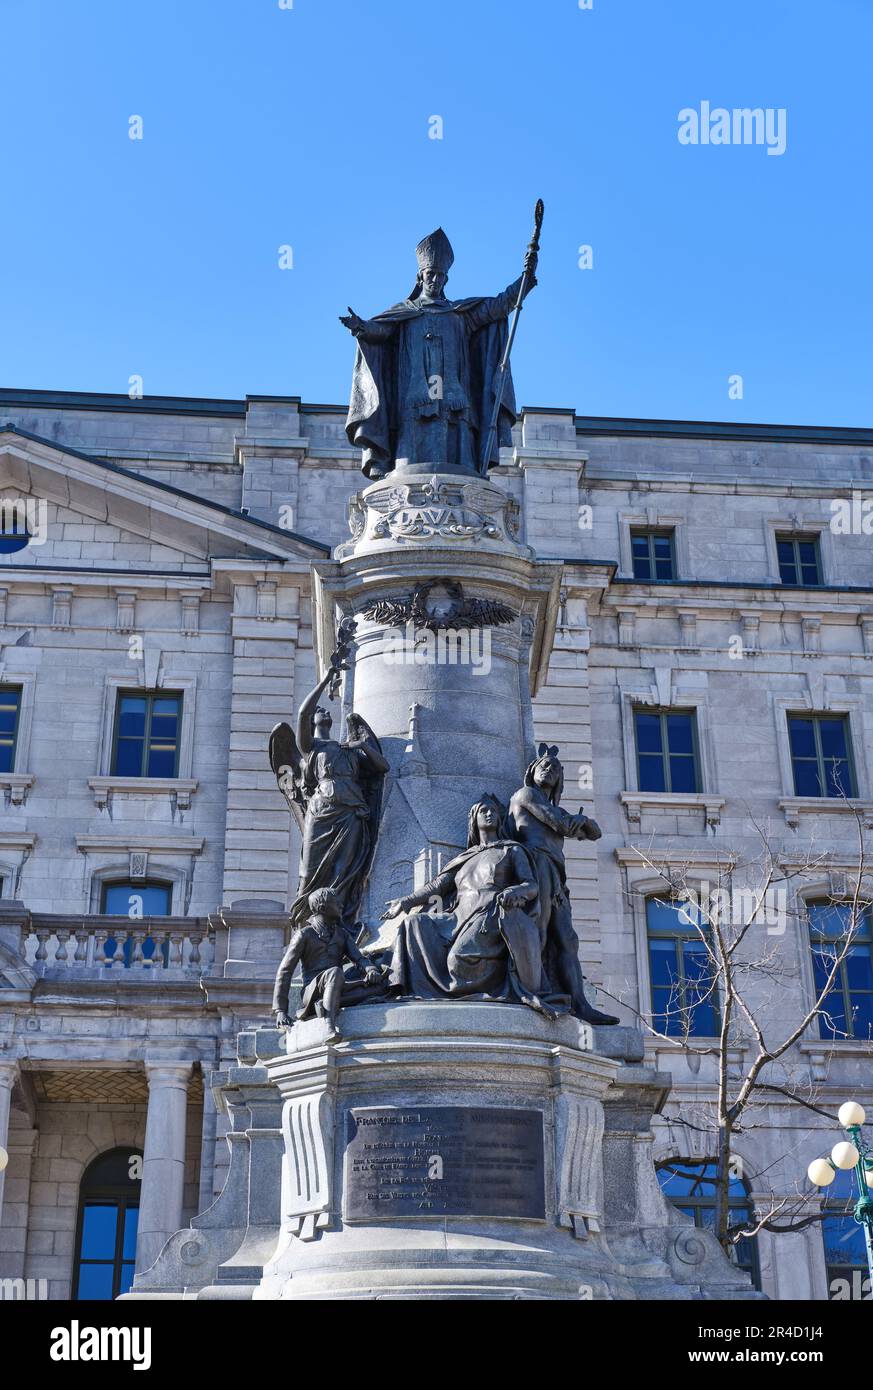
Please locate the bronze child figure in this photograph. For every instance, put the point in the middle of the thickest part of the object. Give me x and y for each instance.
(320, 946)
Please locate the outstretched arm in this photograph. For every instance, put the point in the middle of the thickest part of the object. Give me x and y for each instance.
(500, 306)
(284, 975)
(305, 713)
(367, 967)
(441, 886)
(370, 330)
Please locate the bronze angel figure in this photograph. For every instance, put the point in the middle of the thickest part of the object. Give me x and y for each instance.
(334, 790)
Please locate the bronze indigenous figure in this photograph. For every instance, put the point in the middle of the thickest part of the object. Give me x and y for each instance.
(486, 944)
(334, 790)
(538, 822)
(320, 945)
(430, 373)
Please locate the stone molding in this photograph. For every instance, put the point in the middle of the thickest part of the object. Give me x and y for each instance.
(635, 803)
(179, 790)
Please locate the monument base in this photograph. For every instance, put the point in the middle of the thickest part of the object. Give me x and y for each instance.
(443, 1151)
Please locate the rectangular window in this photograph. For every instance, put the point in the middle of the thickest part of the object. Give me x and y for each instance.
(666, 750)
(684, 1002)
(147, 734)
(136, 901)
(653, 553)
(843, 1237)
(799, 560)
(10, 710)
(848, 1007)
(821, 755)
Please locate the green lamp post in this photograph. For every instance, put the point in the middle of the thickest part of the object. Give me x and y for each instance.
(851, 1153)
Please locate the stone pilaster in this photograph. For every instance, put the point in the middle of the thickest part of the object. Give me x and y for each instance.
(270, 452)
(8, 1077)
(260, 842)
(163, 1171)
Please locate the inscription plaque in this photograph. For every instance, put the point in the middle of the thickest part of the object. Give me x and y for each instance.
(444, 1160)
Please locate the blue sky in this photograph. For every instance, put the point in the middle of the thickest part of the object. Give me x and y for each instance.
(308, 127)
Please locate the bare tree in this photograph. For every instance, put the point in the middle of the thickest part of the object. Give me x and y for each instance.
(740, 921)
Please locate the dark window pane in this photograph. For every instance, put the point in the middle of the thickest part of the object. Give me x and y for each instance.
(679, 737)
(648, 732)
(165, 706)
(131, 1220)
(665, 1017)
(703, 1020)
(806, 779)
(128, 758)
(664, 915)
(682, 775)
(662, 962)
(161, 762)
(802, 735)
(810, 570)
(126, 1278)
(641, 556)
(862, 1015)
(843, 1241)
(663, 547)
(833, 920)
(787, 567)
(10, 701)
(833, 738)
(98, 1232)
(838, 778)
(652, 774)
(95, 1281)
(131, 716)
(698, 966)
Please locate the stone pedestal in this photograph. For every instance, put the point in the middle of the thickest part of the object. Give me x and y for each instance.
(454, 623)
(443, 1151)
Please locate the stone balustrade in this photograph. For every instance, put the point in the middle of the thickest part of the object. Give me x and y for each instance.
(51, 943)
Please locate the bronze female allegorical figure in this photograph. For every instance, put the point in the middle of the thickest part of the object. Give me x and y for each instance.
(481, 940)
(334, 790)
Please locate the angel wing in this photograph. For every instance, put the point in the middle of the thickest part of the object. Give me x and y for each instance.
(287, 763)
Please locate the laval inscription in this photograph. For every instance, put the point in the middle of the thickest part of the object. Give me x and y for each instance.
(446, 1160)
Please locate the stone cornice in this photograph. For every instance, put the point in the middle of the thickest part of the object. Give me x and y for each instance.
(156, 843)
(637, 802)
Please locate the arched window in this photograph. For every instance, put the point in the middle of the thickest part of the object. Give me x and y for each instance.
(845, 1252)
(691, 1187)
(684, 996)
(135, 900)
(848, 1007)
(107, 1225)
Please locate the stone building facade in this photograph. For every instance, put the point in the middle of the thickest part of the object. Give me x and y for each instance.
(168, 582)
